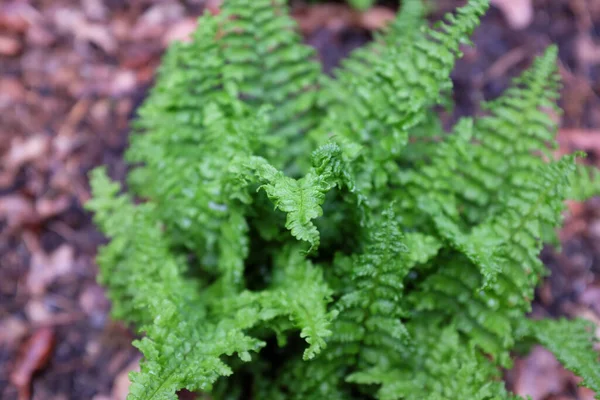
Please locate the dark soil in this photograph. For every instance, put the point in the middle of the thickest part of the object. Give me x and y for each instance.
(71, 76)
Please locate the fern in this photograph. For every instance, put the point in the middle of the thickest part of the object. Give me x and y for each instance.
(361, 4)
(570, 341)
(585, 183)
(304, 237)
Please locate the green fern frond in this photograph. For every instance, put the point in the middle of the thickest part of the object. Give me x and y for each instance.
(398, 33)
(302, 198)
(304, 293)
(572, 343)
(452, 371)
(268, 64)
(530, 207)
(180, 348)
(430, 186)
(298, 293)
(378, 109)
(189, 197)
(487, 306)
(518, 125)
(373, 302)
(361, 4)
(585, 183)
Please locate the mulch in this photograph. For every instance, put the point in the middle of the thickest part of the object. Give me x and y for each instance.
(72, 74)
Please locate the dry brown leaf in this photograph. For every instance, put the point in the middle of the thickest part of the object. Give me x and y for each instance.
(123, 82)
(17, 16)
(24, 151)
(73, 22)
(98, 34)
(579, 139)
(12, 330)
(376, 18)
(163, 13)
(49, 207)
(181, 31)
(45, 269)
(10, 46)
(337, 17)
(93, 301)
(518, 13)
(95, 9)
(16, 210)
(11, 92)
(154, 22)
(539, 375)
(213, 6)
(38, 313)
(35, 353)
(591, 297)
(506, 62)
(575, 223)
(122, 383)
(39, 35)
(587, 51)
(584, 393)
(333, 16)
(63, 145)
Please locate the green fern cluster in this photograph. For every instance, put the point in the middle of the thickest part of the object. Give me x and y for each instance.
(304, 237)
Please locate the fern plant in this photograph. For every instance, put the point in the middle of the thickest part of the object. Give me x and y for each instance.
(361, 4)
(292, 236)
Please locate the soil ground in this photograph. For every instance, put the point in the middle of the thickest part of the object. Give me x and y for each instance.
(71, 76)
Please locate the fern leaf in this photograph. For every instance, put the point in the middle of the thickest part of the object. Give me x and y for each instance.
(181, 349)
(187, 357)
(302, 198)
(378, 276)
(518, 124)
(585, 183)
(190, 196)
(572, 343)
(267, 63)
(302, 291)
(453, 371)
(532, 205)
(429, 187)
(378, 109)
(511, 241)
(398, 34)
